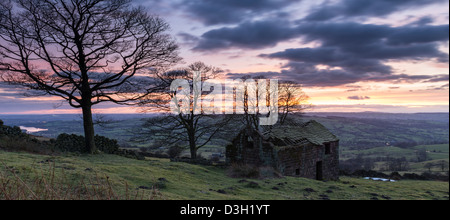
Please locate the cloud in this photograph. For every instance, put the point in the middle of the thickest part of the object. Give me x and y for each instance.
(358, 97)
(378, 41)
(213, 12)
(13, 101)
(352, 52)
(408, 35)
(442, 87)
(357, 8)
(381, 108)
(309, 75)
(188, 39)
(251, 35)
(361, 41)
(439, 78)
(423, 21)
(8, 91)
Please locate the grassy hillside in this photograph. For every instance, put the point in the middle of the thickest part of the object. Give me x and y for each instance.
(436, 155)
(192, 182)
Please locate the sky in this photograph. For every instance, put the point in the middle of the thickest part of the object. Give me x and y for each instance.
(349, 55)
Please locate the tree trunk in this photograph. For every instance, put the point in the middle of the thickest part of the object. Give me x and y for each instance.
(192, 145)
(89, 132)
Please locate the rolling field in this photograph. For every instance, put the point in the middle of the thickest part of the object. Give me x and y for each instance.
(161, 179)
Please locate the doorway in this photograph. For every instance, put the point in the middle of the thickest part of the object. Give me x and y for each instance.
(319, 170)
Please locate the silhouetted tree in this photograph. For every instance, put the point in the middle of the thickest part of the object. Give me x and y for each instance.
(292, 99)
(191, 126)
(84, 51)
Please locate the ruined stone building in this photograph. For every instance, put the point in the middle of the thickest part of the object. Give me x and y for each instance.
(302, 150)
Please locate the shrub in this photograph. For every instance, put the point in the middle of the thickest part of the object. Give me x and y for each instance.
(106, 145)
(70, 143)
(175, 151)
(13, 139)
(76, 143)
(11, 131)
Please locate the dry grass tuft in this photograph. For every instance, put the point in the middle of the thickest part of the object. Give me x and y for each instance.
(46, 185)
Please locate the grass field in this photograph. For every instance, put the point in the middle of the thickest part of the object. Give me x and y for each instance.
(435, 155)
(182, 181)
(434, 152)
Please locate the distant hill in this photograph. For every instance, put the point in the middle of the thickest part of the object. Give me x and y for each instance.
(356, 130)
(15, 119)
(441, 117)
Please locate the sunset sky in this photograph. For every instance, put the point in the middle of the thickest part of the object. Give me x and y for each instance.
(349, 55)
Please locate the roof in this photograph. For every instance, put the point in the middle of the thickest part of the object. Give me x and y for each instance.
(294, 133)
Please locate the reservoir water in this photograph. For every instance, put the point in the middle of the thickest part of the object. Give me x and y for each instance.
(32, 129)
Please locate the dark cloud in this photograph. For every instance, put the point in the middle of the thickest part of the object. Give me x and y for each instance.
(378, 41)
(251, 35)
(267, 75)
(309, 75)
(8, 91)
(408, 35)
(308, 58)
(188, 39)
(363, 41)
(423, 21)
(439, 78)
(357, 8)
(353, 52)
(439, 88)
(12, 100)
(358, 97)
(18, 105)
(212, 12)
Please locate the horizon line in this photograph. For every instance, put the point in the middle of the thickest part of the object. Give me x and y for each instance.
(301, 113)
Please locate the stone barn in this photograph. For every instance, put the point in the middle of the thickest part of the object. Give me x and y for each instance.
(301, 150)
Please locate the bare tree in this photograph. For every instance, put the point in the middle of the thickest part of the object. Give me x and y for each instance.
(85, 51)
(257, 97)
(192, 126)
(292, 99)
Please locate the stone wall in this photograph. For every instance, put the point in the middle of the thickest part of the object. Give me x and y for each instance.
(331, 163)
(298, 160)
(250, 149)
(305, 160)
